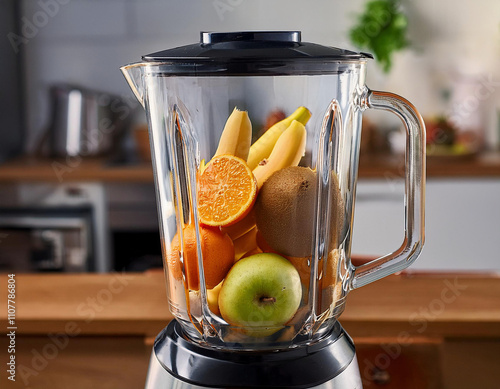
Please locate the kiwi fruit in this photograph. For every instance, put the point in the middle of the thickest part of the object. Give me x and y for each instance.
(285, 208)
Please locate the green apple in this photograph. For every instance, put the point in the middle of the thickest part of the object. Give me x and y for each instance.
(260, 293)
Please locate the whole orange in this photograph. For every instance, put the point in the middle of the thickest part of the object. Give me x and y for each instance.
(217, 251)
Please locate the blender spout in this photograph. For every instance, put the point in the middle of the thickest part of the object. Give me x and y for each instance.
(134, 74)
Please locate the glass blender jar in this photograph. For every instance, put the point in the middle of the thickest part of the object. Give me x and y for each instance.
(256, 226)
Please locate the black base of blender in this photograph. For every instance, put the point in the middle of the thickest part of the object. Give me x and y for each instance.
(179, 363)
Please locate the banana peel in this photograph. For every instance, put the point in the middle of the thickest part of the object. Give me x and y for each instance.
(240, 228)
(245, 243)
(288, 151)
(263, 146)
(213, 298)
(236, 136)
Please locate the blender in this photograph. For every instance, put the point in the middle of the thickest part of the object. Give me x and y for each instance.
(255, 141)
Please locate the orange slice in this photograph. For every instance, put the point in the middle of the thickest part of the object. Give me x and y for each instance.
(226, 191)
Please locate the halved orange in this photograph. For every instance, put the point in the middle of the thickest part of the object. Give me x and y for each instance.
(226, 191)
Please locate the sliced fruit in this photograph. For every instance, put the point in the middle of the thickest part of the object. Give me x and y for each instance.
(213, 298)
(236, 136)
(226, 191)
(256, 250)
(240, 228)
(288, 151)
(263, 146)
(202, 166)
(218, 256)
(245, 243)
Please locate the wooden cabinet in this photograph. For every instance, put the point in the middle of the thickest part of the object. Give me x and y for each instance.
(471, 363)
(82, 362)
(409, 330)
(391, 363)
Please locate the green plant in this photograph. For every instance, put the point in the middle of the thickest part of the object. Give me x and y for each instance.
(381, 29)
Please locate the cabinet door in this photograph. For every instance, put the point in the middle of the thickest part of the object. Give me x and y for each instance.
(58, 361)
(389, 363)
(471, 363)
(462, 228)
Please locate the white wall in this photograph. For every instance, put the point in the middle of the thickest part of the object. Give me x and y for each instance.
(86, 41)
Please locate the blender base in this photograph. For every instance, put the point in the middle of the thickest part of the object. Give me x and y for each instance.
(179, 363)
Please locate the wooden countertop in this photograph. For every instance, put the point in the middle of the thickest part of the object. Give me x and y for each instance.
(441, 305)
(96, 169)
(73, 169)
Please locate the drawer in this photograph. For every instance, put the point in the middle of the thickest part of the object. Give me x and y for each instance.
(59, 361)
(399, 363)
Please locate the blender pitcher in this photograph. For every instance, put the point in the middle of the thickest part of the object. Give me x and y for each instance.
(256, 226)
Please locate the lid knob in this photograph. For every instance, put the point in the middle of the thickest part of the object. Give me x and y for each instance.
(249, 36)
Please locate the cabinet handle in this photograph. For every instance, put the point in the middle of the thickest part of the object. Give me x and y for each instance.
(380, 377)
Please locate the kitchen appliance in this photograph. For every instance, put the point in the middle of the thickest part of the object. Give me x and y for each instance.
(47, 240)
(56, 228)
(202, 158)
(84, 122)
(12, 101)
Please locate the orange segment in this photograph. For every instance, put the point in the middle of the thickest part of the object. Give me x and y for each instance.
(240, 228)
(226, 191)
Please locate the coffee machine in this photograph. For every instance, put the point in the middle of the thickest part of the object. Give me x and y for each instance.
(255, 140)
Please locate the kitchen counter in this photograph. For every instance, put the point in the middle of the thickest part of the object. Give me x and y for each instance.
(96, 331)
(97, 169)
(136, 304)
(27, 169)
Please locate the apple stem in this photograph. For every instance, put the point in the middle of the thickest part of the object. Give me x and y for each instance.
(267, 299)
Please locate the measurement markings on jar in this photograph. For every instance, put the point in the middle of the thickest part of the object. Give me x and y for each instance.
(11, 326)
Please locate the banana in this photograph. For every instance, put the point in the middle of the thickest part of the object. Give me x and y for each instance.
(256, 250)
(213, 298)
(287, 151)
(245, 243)
(263, 146)
(236, 136)
(240, 228)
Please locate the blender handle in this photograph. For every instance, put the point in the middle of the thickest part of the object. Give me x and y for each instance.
(413, 241)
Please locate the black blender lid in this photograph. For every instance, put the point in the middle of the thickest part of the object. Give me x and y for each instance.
(253, 52)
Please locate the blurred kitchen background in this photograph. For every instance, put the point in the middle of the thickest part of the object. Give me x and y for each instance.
(96, 211)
